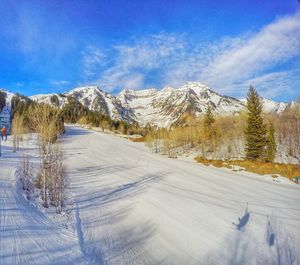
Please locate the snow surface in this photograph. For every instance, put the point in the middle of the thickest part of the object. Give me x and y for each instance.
(135, 207)
(46, 98)
(131, 206)
(26, 235)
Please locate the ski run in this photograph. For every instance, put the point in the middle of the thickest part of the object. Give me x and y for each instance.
(127, 205)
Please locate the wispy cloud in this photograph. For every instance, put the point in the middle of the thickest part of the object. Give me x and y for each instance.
(273, 45)
(131, 64)
(34, 36)
(93, 61)
(228, 65)
(60, 82)
(275, 84)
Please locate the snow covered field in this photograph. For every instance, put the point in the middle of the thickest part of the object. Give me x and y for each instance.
(130, 206)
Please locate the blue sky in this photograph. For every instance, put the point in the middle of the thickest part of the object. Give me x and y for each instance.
(52, 46)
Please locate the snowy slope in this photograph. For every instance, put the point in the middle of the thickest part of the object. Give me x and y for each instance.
(135, 207)
(46, 98)
(26, 235)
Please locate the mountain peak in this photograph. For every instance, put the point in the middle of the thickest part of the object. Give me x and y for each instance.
(198, 88)
(137, 93)
(85, 89)
(126, 91)
(195, 85)
(167, 88)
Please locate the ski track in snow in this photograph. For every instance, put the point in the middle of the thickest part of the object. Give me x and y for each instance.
(134, 207)
(26, 235)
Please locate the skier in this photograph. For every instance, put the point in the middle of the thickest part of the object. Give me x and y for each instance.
(4, 134)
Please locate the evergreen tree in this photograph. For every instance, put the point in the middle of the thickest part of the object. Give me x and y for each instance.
(255, 132)
(2, 100)
(271, 144)
(54, 100)
(209, 118)
(210, 129)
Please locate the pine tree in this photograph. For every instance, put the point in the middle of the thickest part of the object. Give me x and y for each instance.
(54, 100)
(209, 118)
(255, 132)
(210, 129)
(2, 100)
(271, 144)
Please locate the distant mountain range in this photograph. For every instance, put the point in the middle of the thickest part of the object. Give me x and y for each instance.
(157, 107)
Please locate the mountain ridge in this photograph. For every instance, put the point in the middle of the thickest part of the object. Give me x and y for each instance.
(151, 106)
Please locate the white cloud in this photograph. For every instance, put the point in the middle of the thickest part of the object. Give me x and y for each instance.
(19, 84)
(228, 65)
(277, 84)
(60, 82)
(133, 63)
(93, 61)
(274, 44)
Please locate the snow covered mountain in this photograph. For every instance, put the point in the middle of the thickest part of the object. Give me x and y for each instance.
(156, 107)
(150, 106)
(91, 97)
(166, 106)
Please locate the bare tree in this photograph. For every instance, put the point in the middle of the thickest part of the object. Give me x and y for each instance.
(17, 130)
(26, 175)
(56, 180)
(45, 120)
